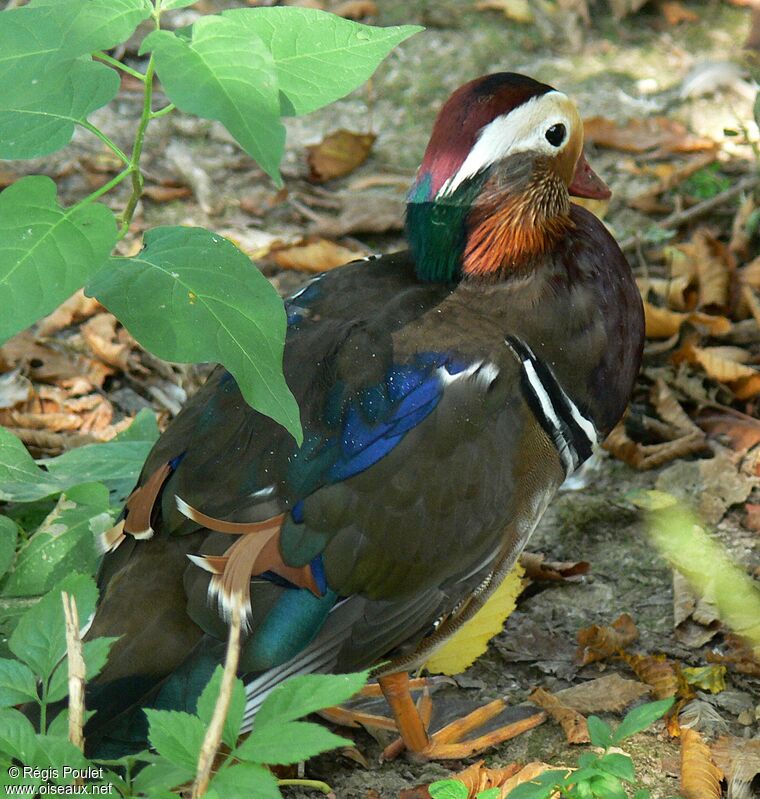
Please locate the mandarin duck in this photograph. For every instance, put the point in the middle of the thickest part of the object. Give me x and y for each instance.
(446, 392)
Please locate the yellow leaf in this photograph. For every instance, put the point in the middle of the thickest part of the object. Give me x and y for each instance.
(471, 640)
(708, 678)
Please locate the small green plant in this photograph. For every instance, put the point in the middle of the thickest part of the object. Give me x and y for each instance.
(599, 776)
(45, 756)
(706, 183)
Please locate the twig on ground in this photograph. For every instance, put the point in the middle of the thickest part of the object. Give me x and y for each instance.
(213, 737)
(77, 673)
(678, 218)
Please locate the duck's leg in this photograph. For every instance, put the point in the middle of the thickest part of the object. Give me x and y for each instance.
(448, 743)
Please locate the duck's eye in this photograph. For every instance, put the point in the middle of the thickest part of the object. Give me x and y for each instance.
(556, 135)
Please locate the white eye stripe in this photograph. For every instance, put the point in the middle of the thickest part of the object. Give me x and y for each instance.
(522, 129)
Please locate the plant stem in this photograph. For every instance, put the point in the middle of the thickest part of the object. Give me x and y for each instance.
(317, 785)
(134, 163)
(167, 109)
(104, 189)
(75, 662)
(102, 136)
(118, 65)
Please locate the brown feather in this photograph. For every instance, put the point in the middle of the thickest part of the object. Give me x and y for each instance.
(141, 502)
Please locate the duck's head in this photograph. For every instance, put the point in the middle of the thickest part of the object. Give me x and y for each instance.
(493, 191)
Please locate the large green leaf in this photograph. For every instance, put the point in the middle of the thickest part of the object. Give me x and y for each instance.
(46, 252)
(17, 683)
(291, 742)
(18, 739)
(319, 57)
(207, 702)
(39, 119)
(176, 736)
(225, 73)
(41, 40)
(8, 536)
(20, 478)
(40, 636)
(244, 779)
(191, 295)
(306, 694)
(95, 655)
(65, 542)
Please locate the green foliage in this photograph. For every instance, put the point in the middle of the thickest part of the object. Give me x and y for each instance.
(598, 776)
(706, 183)
(208, 302)
(246, 69)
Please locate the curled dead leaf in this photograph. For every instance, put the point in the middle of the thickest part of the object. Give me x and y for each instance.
(75, 309)
(600, 642)
(675, 13)
(658, 672)
(664, 135)
(339, 153)
(105, 342)
(662, 323)
(537, 568)
(650, 456)
(738, 655)
(572, 722)
(315, 255)
(700, 777)
(166, 194)
(738, 759)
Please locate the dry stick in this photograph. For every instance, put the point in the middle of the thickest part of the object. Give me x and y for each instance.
(679, 218)
(214, 733)
(77, 672)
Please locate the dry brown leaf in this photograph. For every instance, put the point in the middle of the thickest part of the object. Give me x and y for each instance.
(673, 290)
(740, 433)
(675, 13)
(317, 255)
(537, 568)
(527, 773)
(607, 694)
(669, 409)
(363, 212)
(166, 194)
(356, 9)
(664, 135)
(739, 244)
(737, 758)
(339, 153)
(75, 309)
(15, 389)
(714, 266)
(694, 619)
(669, 176)
(662, 323)
(658, 672)
(622, 8)
(572, 722)
(516, 10)
(650, 456)
(724, 364)
(700, 777)
(598, 643)
(105, 342)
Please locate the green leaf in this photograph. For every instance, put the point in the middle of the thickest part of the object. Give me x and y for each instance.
(288, 742)
(115, 463)
(306, 694)
(40, 119)
(20, 479)
(531, 790)
(59, 726)
(17, 683)
(191, 295)
(161, 776)
(143, 428)
(607, 787)
(640, 718)
(319, 57)
(225, 73)
(176, 736)
(244, 780)
(8, 537)
(619, 765)
(490, 793)
(642, 793)
(40, 636)
(448, 789)
(600, 732)
(207, 702)
(64, 543)
(18, 739)
(46, 252)
(95, 654)
(40, 41)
